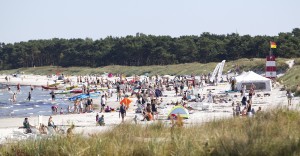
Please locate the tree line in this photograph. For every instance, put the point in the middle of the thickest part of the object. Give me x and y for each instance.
(141, 49)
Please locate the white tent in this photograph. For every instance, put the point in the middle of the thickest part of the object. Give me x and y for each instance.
(248, 78)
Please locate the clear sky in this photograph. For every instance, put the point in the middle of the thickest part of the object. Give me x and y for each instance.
(23, 20)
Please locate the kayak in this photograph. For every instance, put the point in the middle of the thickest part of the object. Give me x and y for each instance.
(76, 91)
(71, 87)
(79, 91)
(84, 96)
(47, 87)
(53, 85)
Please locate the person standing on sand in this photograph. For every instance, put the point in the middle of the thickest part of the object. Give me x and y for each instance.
(102, 102)
(251, 91)
(176, 89)
(92, 105)
(118, 93)
(289, 95)
(122, 112)
(76, 103)
(89, 105)
(232, 84)
(243, 91)
(210, 97)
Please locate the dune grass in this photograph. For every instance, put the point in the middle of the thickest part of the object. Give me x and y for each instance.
(267, 133)
(178, 69)
(292, 78)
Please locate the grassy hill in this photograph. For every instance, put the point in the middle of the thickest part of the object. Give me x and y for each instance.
(257, 65)
(292, 78)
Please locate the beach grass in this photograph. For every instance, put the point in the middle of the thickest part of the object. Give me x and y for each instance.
(254, 64)
(273, 132)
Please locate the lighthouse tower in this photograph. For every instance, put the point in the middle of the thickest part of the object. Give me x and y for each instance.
(271, 67)
(270, 63)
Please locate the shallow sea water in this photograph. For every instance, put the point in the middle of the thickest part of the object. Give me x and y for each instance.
(40, 103)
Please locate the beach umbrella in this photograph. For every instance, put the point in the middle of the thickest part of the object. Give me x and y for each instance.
(126, 102)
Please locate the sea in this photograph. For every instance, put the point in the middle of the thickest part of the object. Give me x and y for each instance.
(40, 103)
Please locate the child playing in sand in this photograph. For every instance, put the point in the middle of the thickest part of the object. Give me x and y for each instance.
(101, 121)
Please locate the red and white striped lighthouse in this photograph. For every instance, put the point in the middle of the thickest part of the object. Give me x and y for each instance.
(271, 67)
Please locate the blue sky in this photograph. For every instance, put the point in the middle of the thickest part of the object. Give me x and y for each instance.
(23, 20)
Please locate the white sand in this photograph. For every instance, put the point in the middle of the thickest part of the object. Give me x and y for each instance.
(86, 123)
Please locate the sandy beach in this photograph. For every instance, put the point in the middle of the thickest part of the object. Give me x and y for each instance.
(86, 122)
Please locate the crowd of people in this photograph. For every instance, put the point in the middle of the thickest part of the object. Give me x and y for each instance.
(149, 93)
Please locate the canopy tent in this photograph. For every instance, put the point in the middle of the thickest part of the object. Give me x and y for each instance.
(183, 112)
(248, 78)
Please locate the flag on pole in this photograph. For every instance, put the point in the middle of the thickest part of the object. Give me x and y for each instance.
(273, 45)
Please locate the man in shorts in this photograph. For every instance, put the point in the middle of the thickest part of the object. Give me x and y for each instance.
(122, 112)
